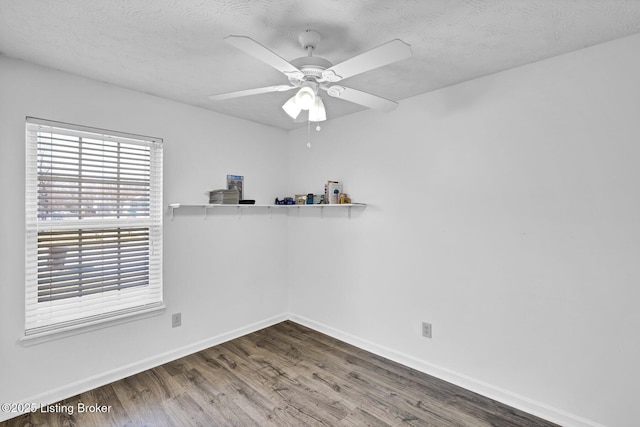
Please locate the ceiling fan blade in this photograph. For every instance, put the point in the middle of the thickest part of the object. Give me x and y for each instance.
(363, 98)
(247, 92)
(392, 51)
(260, 52)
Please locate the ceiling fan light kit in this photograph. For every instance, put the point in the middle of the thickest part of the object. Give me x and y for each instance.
(317, 113)
(292, 108)
(306, 96)
(309, 74)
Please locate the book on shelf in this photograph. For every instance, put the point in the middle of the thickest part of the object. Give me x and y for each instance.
(236, 182)
(224, 197)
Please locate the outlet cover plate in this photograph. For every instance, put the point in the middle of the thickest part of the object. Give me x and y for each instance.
(426, 329)
(176, 320)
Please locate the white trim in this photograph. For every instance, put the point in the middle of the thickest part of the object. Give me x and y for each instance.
(81, 328)
(504, 396)
(84, 130)
(507, 397)
(77, 387)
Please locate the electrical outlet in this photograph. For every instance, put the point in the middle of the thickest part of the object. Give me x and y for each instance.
(176, 320)
(426, 329)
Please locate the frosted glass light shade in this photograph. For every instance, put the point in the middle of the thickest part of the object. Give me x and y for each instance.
(305, 97)
(291, 107)
(317, 112)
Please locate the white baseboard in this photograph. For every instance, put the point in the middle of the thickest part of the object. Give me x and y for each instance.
(99, 380)
(514, 400)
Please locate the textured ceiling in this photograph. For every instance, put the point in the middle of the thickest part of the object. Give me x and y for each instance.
(175, 49)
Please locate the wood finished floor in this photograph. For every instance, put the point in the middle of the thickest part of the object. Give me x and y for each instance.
(284, 375)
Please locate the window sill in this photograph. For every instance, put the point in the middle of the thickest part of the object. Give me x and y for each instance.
(29, 340)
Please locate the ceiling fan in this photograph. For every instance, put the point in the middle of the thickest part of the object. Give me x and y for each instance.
(310, 74)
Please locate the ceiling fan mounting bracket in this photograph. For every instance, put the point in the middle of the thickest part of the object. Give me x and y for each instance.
(309, 39)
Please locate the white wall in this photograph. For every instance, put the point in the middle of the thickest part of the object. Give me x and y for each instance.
(224, 274)
(506, 212)
(503, 210)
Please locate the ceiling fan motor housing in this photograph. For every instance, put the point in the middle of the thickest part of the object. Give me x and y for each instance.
(311, 67)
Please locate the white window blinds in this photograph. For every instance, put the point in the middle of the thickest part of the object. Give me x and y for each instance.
(94, 225)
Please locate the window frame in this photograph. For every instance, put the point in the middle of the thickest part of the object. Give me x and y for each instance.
(43, 318)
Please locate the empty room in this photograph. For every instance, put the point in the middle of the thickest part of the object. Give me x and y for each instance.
(336, 213)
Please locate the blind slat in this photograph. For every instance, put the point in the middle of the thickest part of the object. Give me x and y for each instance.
(76, 259)
(83, 277)
(47, 178)
(79, 285)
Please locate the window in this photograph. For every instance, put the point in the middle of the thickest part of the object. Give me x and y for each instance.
(93, 226)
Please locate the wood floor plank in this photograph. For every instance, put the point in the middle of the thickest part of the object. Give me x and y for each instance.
(140, 394)
(324, 383)
(472, 408)
(326, 390)
(183, 410)
(115, 415)
(284, 375)
(259, 391)
(384, 390)
(218, 400)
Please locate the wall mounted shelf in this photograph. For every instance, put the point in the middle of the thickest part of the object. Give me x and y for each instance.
(205, 208)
